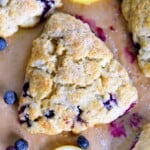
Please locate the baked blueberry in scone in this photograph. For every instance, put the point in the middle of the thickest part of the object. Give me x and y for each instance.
(23, 13)
(143, 140)
(137, 14)
(72, 81)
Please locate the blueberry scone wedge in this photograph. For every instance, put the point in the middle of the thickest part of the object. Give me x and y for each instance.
(137, 14)
(72, 81)
(143, 141)
(23, 13)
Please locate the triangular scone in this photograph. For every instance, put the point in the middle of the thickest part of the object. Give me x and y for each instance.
(72, 80)
(23, 13)
(143, 140)
(137, 13)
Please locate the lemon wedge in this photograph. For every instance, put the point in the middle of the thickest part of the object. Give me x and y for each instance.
(68, 147)
(86, 2)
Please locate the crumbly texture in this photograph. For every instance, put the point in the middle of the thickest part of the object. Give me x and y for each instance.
(23, 13)
(137, 13)
(144, 139)
(72, 80)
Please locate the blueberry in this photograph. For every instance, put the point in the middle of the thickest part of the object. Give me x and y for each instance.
(83, 142)
(26, 120)
(48, 7)
(3, 44)
(79, 118)
(25, 89)
(10, 97)
(137, 47)
(50, 114)
(109, 104)
(22, 108)
(11, 148)
(21, 144)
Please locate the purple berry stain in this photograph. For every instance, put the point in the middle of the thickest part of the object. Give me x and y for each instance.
(97, 30)
(117, 129)
(134, 142)
(11, 148)
(101, 34)
(112, 28)
(130, 54)
(130, 108)
(135, 120)
(90, 22)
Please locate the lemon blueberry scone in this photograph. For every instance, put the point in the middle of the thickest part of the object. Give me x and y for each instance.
(23, 13)
(143, 141)
(137, 13)
(72, 80)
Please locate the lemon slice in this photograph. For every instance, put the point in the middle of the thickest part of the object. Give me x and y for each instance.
(68, 147)
(86, 2)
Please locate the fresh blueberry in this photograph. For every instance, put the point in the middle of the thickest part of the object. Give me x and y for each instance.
(21, 144)
(11, 148)
(10, 97)
(3, 44)
(83, 142)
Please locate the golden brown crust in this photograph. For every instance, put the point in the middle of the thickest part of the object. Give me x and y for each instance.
(137, 13)
(74, 82)
(21, 13)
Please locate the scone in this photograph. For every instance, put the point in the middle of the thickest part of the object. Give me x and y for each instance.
(143, 142)
(72, 81)
(23, 13)
(137, 13)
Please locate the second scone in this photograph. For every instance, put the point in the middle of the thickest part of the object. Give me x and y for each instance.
(23, 13)
(137, 14)
(72, 81)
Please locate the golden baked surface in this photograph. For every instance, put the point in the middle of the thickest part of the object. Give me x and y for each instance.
(23, 13)
(137, 13)
(72, 80)
(144, 139)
